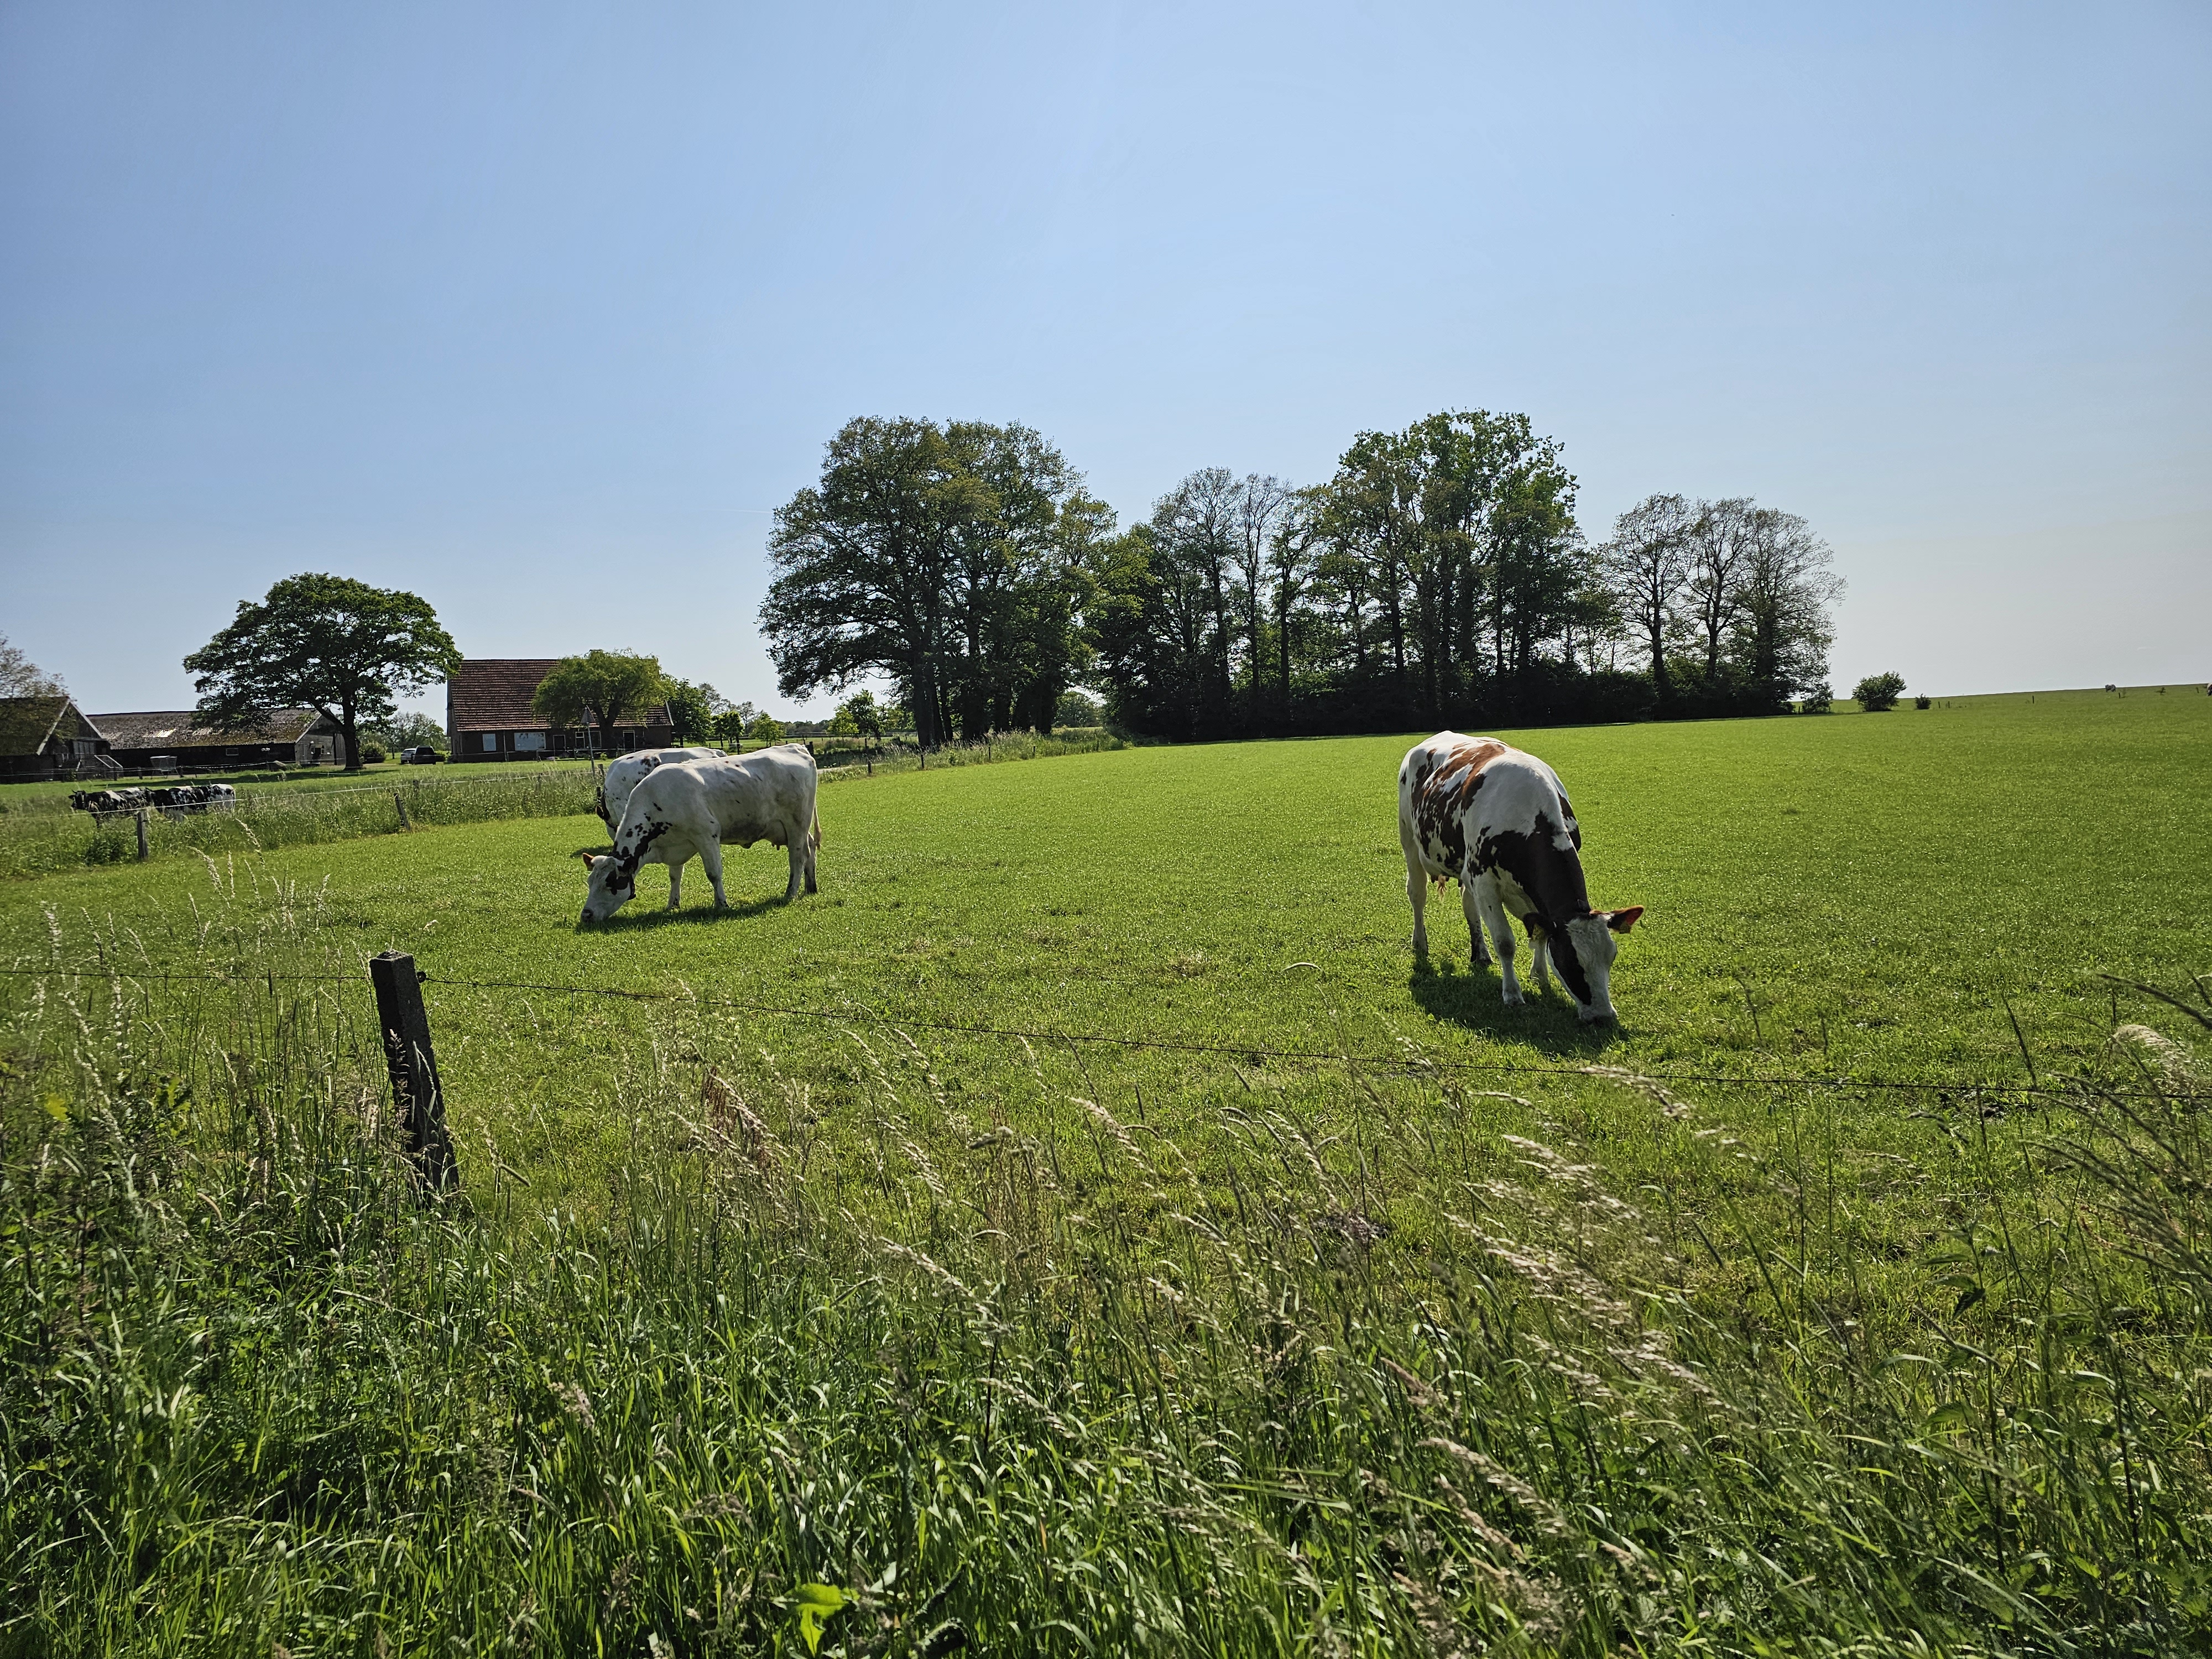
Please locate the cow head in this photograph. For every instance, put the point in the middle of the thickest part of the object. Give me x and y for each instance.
(613, 884)
(1583, 951)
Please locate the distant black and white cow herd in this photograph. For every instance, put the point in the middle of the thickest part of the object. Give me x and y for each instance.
(1474, 811)
(173, 800)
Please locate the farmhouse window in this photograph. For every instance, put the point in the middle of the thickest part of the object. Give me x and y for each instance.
(490, 741)
(534, 742)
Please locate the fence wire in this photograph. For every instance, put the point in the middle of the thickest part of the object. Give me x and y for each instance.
(1411, 1063)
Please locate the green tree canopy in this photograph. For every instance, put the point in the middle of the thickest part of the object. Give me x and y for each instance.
(603, 687)
(858, 716)
(949, 557)
(323, 642)
(693, 710)
(1877, 693)
(21, 677)
(1077, 708)
(731, 721)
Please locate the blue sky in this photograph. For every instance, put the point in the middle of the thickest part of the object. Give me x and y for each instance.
(538, 310)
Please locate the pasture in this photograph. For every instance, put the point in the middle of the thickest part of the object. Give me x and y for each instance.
(1132, 1043)
(1878, 897)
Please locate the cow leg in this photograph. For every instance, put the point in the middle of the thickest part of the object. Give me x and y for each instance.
(1501, 935)
(798, 882)
(807, 844)
(675, 884)
(1539, 961)
(1480, 952)
(1417, 894)
(710, 859)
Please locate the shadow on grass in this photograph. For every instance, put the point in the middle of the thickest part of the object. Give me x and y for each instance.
(1471, 1000)
(630, 918)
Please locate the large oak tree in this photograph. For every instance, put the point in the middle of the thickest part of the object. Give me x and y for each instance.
(950, 558)
(328, 643)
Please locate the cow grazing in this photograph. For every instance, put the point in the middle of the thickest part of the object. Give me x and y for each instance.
(174, 801)
(1480, 813)
(684, 810)
(623, 775)
(105, 804)
(180, 799)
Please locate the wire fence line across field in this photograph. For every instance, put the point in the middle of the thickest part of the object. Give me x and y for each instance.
(1411, 1063)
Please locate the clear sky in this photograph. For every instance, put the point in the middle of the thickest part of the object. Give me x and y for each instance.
(537, 310)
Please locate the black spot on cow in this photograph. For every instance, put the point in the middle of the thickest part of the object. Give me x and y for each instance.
(1572, 973)
(1551, 888)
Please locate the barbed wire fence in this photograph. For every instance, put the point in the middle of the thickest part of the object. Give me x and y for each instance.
(1409, 1059)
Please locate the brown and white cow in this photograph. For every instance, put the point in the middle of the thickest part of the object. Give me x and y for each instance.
(1482, 813)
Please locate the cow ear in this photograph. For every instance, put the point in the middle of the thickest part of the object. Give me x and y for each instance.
(1622, 920)
(586, 854)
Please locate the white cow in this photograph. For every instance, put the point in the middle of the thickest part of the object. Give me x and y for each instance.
(690, 809)
(622, 776)
(1480, 813)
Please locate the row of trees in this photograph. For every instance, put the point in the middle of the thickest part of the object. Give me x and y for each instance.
(1439, 576)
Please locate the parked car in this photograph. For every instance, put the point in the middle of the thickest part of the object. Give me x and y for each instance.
(422, 756)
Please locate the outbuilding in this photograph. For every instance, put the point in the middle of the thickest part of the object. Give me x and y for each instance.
(489, 716)
(49, 737)
(175, 740)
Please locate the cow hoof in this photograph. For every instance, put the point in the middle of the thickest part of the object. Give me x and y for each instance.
(1514, 999)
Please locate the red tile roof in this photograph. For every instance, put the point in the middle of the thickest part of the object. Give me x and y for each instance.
(493, 694)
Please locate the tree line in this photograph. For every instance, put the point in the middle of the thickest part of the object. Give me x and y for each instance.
(1438, 577)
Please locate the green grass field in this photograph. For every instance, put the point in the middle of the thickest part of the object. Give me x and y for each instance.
(1873, 898)
(1136, 1039)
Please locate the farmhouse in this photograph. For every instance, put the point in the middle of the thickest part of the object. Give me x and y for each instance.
(43, 738)
(175, 740)
(489, 716)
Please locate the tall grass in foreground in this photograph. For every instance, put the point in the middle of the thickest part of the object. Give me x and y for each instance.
(925, 1380)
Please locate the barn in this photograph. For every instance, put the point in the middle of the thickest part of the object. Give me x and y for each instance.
(175, 740)
(489, 716)
(43, 738)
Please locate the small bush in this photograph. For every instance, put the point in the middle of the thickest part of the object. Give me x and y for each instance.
(1920, 702)
(372, 754)
(1818, 701)
(1879, 692)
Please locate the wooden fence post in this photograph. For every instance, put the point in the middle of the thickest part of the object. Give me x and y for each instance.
(144, 852)
(414, 1068)
(402, 806)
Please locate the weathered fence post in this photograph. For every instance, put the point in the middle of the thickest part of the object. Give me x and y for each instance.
(414, 1067)
(144, 852)
(402, 806)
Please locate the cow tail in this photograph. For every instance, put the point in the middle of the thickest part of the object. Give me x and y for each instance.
(815, 834)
